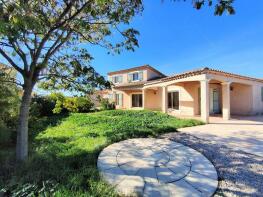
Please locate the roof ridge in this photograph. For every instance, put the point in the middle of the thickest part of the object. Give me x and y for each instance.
(136, 67)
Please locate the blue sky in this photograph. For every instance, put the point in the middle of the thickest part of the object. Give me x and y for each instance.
(175, 38)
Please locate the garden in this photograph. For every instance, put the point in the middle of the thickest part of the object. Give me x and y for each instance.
(65, 138)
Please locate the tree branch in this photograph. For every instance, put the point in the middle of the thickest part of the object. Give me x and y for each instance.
(11, 62)
(19, 51)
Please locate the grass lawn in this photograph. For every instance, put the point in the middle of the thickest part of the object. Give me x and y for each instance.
(64, 150)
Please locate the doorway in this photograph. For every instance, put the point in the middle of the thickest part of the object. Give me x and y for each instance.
(214, 101)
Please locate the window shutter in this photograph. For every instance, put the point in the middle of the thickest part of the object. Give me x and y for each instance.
(120, 79)
(140, 75)
(129, 77)
(121, 98)
(262, 94)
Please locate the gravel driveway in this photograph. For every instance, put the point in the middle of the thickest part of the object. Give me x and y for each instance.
(240, 173)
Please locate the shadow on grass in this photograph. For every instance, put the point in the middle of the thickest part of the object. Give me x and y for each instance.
(37, 125)
(72, 169)
(119, 134)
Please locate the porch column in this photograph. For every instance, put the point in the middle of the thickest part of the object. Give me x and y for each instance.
(226, 100)
(164, 99)
(205, 100)
(143, 98)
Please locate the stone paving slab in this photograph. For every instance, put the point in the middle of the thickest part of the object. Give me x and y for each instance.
(152, 167)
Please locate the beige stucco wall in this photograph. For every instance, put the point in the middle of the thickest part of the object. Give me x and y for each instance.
(153, 99)
(241, 99)
(257, 100)
(188, 98)
(126, 98)
(151, 74)
(245, 98)
(147, 75)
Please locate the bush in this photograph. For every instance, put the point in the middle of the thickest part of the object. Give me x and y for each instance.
(106, 104)
(42, 106)
(5, 133)
(78, 104)
(57, 103)
(59, 99)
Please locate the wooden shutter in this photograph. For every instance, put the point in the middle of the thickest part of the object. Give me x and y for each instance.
(262, 94)
(140, 75)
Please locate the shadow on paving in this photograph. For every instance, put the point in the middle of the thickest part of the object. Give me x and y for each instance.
(240, 173)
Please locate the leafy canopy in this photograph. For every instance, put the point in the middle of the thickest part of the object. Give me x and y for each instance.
(221, 6)
(46, 39)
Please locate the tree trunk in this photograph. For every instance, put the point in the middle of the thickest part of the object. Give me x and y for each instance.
(22, 130)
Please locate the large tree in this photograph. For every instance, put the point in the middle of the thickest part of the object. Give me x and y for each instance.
(46, 40)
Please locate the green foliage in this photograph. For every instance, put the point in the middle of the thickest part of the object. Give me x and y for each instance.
(5, 133)
(51, 36)
(9, 105)
(59, 99)
(78, 104)
(65, 149)
(45, 188)
(221, 6)
(42, 106)
(57, 103)
(105, 104)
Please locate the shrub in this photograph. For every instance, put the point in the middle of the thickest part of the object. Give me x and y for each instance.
(59, 99)
(78, 104)
(5, 133)
(106, 104)
(42, 106)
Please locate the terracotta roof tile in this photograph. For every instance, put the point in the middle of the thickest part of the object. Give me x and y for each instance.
(204, 70)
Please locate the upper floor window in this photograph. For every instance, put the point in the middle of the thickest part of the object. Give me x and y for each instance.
(117, 79)
(135, 76)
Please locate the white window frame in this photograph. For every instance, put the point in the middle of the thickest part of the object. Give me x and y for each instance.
(136, 72)
(179, 107)
(137, 76)
(116, 76)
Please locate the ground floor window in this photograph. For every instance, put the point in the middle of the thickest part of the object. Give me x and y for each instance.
(118, 99)
(136, 100)
(173, 100)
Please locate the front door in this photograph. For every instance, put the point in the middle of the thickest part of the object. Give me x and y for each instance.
(214, 101)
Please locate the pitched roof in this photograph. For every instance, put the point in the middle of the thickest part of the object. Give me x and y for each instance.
(133, 84)
(204, 70)
(135, 69)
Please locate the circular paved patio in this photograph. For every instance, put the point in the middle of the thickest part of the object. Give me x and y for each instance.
(157, 167)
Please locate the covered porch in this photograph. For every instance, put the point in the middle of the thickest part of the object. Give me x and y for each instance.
(200, 97)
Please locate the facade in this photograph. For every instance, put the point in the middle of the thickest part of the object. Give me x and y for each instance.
(204, 92)
(101, 94)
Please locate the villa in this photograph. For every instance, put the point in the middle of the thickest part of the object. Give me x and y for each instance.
(199, 93)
